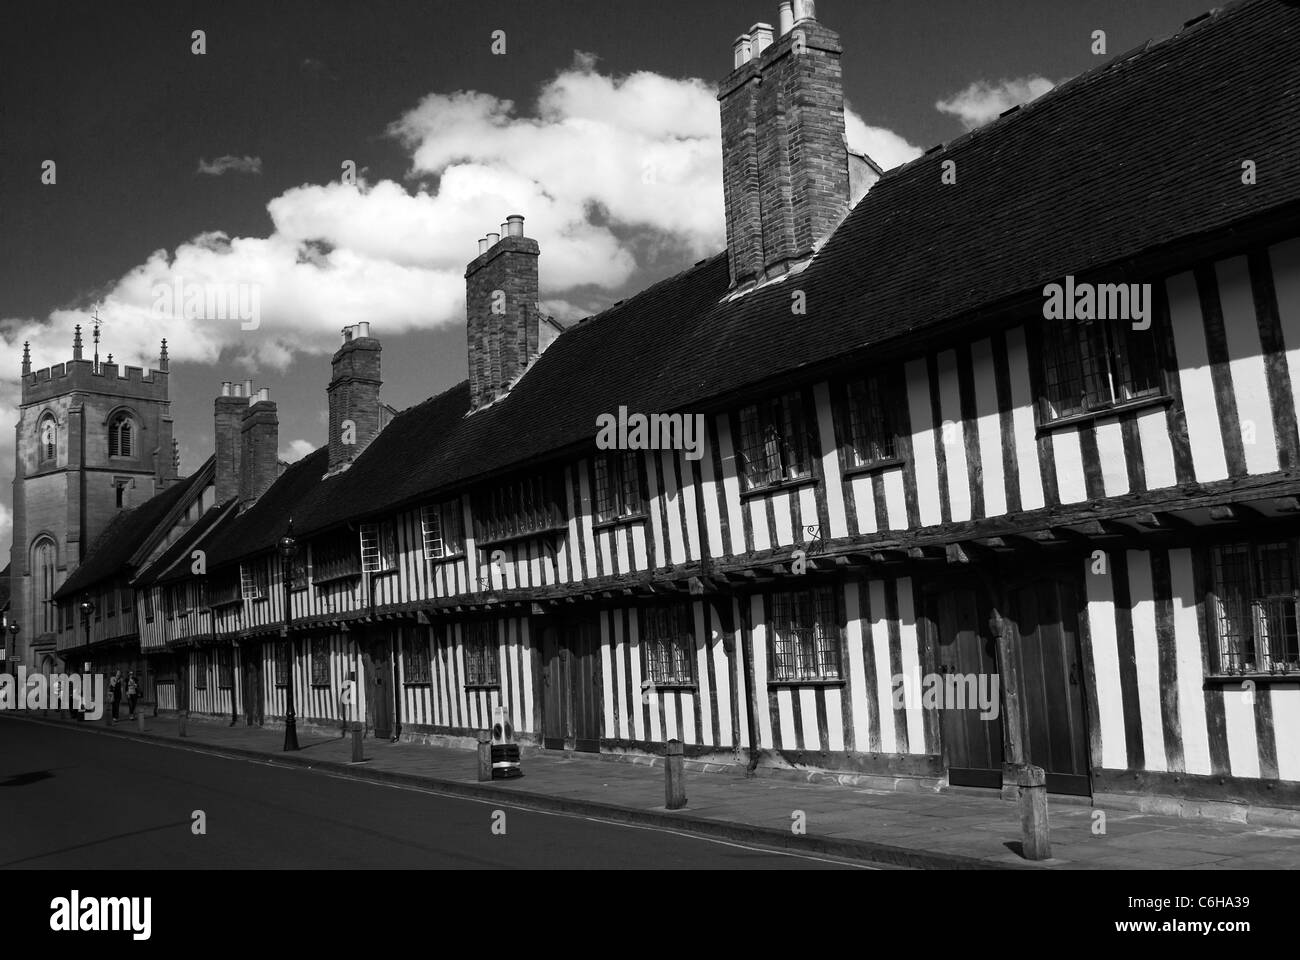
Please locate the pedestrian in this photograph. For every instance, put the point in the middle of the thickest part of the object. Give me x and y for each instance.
(115, 691)
(132, 692)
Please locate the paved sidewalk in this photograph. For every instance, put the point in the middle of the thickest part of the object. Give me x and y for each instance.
(948, 830)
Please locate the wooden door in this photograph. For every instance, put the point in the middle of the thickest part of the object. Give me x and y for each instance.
(584, 638)
(1045, 613)
(253, 711)
(962, 641)
(379, 688)
(555, 695)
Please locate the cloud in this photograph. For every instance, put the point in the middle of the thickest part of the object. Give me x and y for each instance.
(296, 450)
(230, 163)
(616, 175)
(887, 148)
(983, 101)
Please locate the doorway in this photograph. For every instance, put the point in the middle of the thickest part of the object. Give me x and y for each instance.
(251, 654)
(571, 681)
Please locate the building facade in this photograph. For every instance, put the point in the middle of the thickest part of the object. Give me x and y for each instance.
(986, 468)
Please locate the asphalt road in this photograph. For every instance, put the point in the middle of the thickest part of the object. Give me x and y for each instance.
(77, 799)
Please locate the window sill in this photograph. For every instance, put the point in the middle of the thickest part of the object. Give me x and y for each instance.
(780, 487)
(629, 521)
(879, 466)
(1102, 413)
(838, 682)
(1226, 679)
(485, 544)
(483, 686)
(417, 683)
(648, 686)
(446, 558)
(316, 685)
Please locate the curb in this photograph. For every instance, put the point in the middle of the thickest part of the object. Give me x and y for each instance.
(865, 850)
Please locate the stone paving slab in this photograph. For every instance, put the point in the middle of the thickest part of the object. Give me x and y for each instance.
(919, 829)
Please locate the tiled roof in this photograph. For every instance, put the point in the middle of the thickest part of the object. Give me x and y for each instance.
(261, 525)
(173, 563)
(114, 551)
(1142, 151)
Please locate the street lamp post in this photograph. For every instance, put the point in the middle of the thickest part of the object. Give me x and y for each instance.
(288, 548)
(87, 611)
(13, 655)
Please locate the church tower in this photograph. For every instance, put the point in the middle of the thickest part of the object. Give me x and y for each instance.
(93, 439)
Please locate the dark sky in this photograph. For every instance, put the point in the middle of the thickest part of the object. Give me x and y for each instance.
(111, 91)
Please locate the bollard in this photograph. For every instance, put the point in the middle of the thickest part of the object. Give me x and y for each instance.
(1036, 843)
(139, 721)
(484, 755)
(674, 776)
(357, 753)
(180, 722)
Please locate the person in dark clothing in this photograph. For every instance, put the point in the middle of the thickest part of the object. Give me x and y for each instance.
(132, 692)
(115, 691)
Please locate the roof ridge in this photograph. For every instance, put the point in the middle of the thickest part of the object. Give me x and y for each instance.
(1072, 84)
(628, 301)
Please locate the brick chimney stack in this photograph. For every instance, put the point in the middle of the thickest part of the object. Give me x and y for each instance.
(504, 319)
(354, 404)
(228, 415)
(259, 448)
(784, 157)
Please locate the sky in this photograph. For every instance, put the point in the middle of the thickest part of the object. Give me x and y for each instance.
(597, 121)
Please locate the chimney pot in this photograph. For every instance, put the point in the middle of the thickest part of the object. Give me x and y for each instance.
(515, 224)
(225, 388)
(805, 10)
(505, 229)
(761, 38)
(363, 328)
(248, 388)
(493, 239)
(785, 18)
(483, 246)
(743, 49)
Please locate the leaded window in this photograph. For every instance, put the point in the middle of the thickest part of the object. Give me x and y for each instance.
(805, 636)
(668, 640)
(1254, 608)
(775, 442)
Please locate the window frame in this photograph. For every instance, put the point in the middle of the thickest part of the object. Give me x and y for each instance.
(668, 639)
(613, 492)
(1106, 364)
(881, 390)
(281, 668)
(482, 669)
(1261, 662)
(201, 670)
(520, 507)
(47, 453)
(254, 579)
(787, 666)
(770, 418)
(122, 425)
(415, 653)
(442, 530)
(320, 662)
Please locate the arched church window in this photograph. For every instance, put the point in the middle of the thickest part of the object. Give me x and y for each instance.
(48, 433)
(121, 436)
(43, 555)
